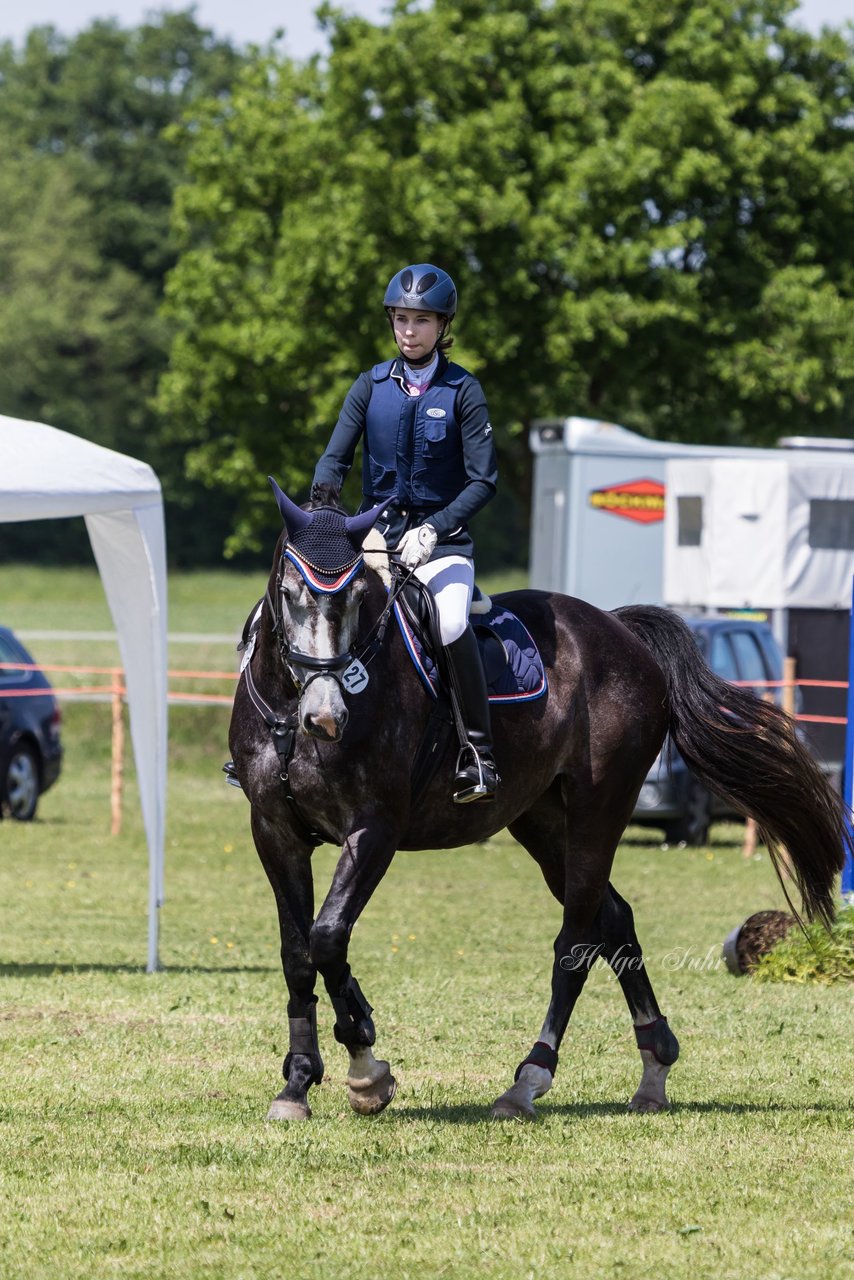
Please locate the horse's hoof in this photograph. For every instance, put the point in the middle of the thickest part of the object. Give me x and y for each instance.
(368, 1097)
(644, 1105)
(509, 1108)
(288, 1109)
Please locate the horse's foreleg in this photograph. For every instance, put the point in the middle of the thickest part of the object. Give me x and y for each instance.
(290, 877)
(364, 860)
(657, 1044)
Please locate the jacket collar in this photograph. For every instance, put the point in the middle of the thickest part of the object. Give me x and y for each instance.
(446, 373)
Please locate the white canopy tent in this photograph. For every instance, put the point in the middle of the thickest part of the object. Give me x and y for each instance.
(47, 474)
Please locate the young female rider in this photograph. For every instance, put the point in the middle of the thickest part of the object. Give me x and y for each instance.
(428, 449)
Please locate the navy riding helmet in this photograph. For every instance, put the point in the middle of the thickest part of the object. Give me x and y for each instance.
(422, 287)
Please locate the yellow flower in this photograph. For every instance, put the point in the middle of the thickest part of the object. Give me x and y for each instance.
(71, 884)
(229, 945)
(228, 848)
(412, 937)
(395, 949)
(214, 941)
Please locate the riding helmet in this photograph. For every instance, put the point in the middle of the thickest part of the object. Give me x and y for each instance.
(422, 287)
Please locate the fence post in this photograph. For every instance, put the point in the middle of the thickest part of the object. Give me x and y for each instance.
(118, 754)
(848, 767)
(788, 698)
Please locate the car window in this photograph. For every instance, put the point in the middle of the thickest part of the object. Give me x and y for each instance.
(8, 653)
(748, 657)
(721, 659)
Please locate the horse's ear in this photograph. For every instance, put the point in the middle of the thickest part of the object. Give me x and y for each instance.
(358, 526)
(293, 516)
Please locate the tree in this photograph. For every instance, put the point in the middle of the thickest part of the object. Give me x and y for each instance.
(85, 243)
(647, 207)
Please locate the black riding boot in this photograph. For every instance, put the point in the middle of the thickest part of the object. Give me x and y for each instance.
(476, 776)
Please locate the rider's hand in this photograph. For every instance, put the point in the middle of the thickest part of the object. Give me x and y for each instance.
(417, 545)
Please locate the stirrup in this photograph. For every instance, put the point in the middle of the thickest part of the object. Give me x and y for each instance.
(469, 786)
(231, 774)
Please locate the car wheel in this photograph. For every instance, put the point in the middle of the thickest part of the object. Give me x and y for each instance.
(692, 826)
(20, 787)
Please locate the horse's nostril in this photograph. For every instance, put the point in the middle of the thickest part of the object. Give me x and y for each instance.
(324, 725)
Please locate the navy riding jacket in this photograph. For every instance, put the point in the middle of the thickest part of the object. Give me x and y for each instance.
(432, 456)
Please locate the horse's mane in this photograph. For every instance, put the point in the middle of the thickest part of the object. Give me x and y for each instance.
(374, 545)
(324, 495)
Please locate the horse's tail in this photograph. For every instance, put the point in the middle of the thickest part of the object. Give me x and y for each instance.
(747, 751)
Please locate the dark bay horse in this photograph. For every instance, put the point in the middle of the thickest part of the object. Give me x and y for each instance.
(320, 761)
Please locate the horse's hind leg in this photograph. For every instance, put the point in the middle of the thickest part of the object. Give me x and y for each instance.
(542, 831)
(576, 870)
(658, 1046)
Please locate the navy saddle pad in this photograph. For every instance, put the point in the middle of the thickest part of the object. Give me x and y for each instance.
(514, 668)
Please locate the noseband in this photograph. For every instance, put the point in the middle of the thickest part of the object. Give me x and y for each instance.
(295, 661)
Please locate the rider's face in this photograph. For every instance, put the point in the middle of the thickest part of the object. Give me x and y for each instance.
(416, 332)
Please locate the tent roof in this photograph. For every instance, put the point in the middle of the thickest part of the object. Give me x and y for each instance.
(46, 473)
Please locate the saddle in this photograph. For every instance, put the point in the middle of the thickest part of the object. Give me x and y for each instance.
(511, 661)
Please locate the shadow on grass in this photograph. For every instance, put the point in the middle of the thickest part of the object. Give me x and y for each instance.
(462, 1114)
(47, 970)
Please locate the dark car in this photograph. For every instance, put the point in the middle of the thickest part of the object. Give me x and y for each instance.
(736, 649)
(30, 748)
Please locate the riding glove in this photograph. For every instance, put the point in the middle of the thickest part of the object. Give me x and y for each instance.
(417, 545)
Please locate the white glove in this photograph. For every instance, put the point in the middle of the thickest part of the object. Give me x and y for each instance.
(417, 545)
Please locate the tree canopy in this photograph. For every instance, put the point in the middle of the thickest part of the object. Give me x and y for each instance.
(647, 206)
(85, 240)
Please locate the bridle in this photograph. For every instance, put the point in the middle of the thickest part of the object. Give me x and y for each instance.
(297, 663)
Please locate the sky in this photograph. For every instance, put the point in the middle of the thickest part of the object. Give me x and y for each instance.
(255, 21)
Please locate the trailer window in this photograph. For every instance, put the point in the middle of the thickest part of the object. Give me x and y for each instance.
(689, 511)
(832, 524)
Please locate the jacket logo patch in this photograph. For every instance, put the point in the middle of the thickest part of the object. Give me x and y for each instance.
(436, 413)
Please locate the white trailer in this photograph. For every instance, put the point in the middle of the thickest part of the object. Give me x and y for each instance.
(772, 531)
(619, 519)
(598, 510)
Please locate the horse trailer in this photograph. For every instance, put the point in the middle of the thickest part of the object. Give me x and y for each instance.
(619, 519)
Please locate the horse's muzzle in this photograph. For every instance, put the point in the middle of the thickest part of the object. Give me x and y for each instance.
(326, 728)
(323, 713)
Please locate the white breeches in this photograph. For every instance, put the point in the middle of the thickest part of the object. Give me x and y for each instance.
(451, 580)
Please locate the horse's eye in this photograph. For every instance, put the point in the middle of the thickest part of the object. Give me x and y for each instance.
(286, 592)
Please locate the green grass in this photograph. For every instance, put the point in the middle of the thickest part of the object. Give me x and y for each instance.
(815, 955)
(132, 1133)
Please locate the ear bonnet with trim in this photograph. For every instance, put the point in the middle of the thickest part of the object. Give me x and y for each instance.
(324, 544)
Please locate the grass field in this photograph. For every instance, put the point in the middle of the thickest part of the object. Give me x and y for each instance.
(132, 1134)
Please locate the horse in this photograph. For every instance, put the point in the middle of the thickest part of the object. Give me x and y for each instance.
(327, 719)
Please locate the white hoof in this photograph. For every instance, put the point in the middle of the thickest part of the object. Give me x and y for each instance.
(288, 1109)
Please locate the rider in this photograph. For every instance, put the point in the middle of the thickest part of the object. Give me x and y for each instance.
(428, 449)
